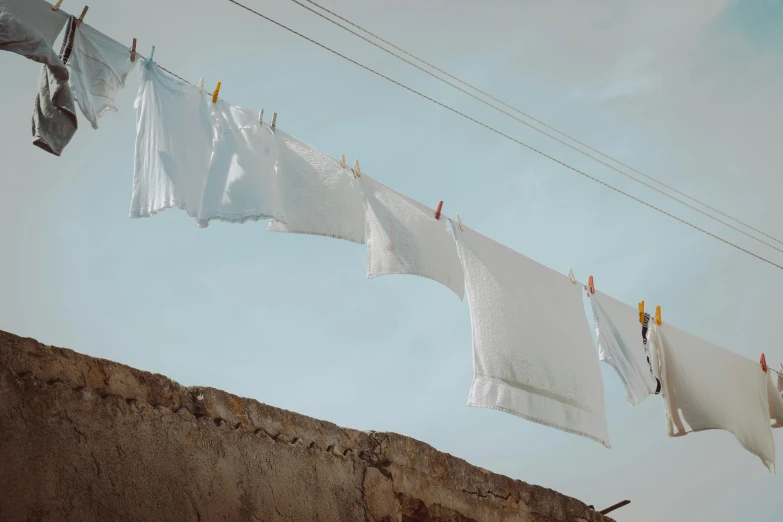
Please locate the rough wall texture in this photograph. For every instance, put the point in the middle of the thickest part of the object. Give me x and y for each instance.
(87, 439)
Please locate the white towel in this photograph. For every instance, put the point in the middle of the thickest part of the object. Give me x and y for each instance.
(620, 345)
(533, 355)
(706, 387)
(241, 183)
(775, 396)
(99, 67)
(403, 237)
(319, 197)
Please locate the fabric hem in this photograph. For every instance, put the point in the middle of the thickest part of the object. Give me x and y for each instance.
(227, 218)
(289, 230)
(413, 273)
(769, 465)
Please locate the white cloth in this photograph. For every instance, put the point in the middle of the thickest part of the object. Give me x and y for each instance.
(533, 355)
(775, 396)
(99, 67)
(37, 15)
(214, 161)
(403, 237)
(706, 387)
(319, 196)
(620, 345)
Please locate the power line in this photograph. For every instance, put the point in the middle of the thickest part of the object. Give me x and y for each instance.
(496, 131)
(570, 146)
(669, 187)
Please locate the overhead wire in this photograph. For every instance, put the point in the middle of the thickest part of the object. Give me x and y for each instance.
(526, 115)
(500, 133)
(502, 111)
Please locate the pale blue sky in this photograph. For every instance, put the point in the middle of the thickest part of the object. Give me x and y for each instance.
(687, 91)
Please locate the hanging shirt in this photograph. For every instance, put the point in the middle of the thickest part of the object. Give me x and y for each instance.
(37, 16)
(403, 237)
(319, 196)
(620, 345)
(706, 387)
(648, 352)
(533, 355)
(99, 67)
(775, 397)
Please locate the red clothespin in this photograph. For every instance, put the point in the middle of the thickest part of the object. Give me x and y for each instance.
(437, 212)
(590, 287)
(763, 363)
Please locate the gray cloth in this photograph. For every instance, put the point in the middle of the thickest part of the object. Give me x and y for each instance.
(38, 15)
(18, 36)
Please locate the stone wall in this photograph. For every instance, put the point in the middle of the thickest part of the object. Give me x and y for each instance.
(86, 439)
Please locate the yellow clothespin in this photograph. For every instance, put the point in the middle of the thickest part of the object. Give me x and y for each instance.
(342, 161)
(357, 173)
(658, 315)
(459, 223)
(84, 12)
(57, 5)
(274, 120)
(215, 94)
(133, 51)
(641, 312)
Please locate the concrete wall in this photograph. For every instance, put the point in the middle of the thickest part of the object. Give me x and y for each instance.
(87, 439)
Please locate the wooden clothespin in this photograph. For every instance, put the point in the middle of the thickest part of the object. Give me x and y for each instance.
(84, 12)
(133, 51)
(342, 161)
(658, 315)
(763, 362)
(57, 5)
(590, 287)
(215, 94)
(274, 120)
(150, 57)
(459, 223)
(357, 172)
(641, 312)
(437, 212)
(571, 276)
(200, 85)
(261, 116)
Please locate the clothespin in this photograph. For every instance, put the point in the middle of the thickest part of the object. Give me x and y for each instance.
(151, 56)
(641, 312)
(274, 120)
(590, 287)
(437, 212)
(57, 5)
(571, 276)
(763, 362)
(261, 116)
(133, 51)
(200, 85)
(215, 94)
(658, 315)
(342, 161)
(459, 223)
(84, 12)
(357, 172)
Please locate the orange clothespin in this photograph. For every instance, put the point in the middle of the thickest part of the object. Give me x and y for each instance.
(215, 94)
(437, 212)
(590, 287)
(658, 315)
(84, 13)
(763, 363)
(641, 312)
(133, 51)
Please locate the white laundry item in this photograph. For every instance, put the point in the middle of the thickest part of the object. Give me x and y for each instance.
(620, 345)
(241, 182)
(533, 355)
(706, 387)
(99, 67)
(174, 135)
(775, 397)
(37, 15)
(319, 196)
(403, 237)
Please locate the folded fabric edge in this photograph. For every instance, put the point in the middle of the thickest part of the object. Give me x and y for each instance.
(226, 218)
(278, 226)
(769, 465)
(629, 396)
(372, 274)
